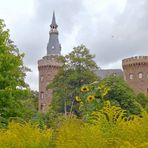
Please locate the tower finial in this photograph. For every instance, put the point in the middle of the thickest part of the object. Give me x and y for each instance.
(53, 23)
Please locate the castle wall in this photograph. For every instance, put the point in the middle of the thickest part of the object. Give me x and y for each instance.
(136, 73)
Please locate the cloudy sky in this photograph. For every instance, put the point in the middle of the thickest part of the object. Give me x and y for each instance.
(111, 29)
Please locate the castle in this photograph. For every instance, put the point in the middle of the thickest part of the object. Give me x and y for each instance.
(135, 69)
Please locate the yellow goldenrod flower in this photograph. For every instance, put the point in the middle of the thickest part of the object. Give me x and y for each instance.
(81, 104)
(84, 89)
(78, 99)
(90, 98)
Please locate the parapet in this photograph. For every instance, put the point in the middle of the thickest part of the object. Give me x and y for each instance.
(135, 60)
(49, 61)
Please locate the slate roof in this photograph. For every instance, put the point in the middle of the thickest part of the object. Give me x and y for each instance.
(102, 73)
(53, 23)
(53, 46)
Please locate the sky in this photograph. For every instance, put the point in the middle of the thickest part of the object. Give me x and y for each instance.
(110, 29)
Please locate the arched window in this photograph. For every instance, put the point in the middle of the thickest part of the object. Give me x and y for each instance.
(131, 76)
(140, 75)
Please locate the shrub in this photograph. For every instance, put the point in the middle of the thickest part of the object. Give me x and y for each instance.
(109, 128)
(25, 135)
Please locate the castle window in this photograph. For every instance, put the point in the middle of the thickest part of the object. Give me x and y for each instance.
(131, 76)
(41, 78)
(42, 95)
(140, 75)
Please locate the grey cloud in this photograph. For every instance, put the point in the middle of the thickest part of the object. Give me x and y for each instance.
(111, 37)
(125, 36)
(34, 37)
(32, 33)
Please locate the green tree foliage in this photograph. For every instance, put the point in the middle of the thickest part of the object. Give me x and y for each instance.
(120, 94)
(30, 105)
(78, 69)
(12, 73)
(142, 99)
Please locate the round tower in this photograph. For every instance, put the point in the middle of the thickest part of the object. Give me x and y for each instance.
(136, 73)
(48, 67)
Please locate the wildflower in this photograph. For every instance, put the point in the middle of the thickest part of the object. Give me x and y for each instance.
(77, 99)
(90, 98)
(84, 89)
(81, 104)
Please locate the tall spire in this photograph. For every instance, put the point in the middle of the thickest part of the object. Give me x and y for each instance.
(53, 46)
(53, 23)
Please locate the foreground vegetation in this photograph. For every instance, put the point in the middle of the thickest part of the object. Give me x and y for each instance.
(85, 112)
(108, 128)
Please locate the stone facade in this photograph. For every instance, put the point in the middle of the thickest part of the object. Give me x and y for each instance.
(48, 68)
(136, 73)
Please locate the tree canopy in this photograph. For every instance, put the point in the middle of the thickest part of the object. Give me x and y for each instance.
(120, 94)
(78, 69)
(12, 73)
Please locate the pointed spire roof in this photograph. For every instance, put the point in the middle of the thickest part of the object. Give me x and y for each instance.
(53, 23)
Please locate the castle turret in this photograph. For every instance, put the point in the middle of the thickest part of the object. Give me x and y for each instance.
(48, 67)
(136, 73)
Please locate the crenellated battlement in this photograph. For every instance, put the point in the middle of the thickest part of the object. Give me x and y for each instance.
(135, 60)
(49, 61)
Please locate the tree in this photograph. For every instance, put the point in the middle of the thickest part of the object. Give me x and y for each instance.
(12, 73)
(78, 69)
(142, 99)
(120, 94)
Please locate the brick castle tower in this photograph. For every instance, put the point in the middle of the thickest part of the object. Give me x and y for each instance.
(136, 73)
(48, 67)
